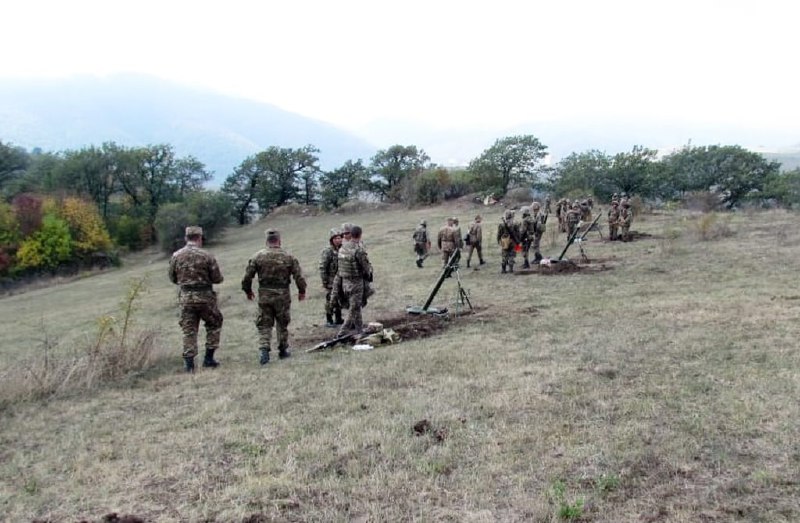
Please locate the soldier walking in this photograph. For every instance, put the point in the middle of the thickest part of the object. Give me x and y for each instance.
(195, 271)
(355, 271)
(508, 237)
(422, 243)
(475, 234)
(447, 240)
(275, 269)
(328, 267)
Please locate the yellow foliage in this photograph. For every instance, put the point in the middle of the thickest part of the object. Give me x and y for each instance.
(88, 231)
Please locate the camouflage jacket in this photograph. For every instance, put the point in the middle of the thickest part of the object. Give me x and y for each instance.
(195, 270)
(274, 268)
(420, 234)
(613, 216)
(626, 216)
(328, 266)
(448, 239)
(510, 230)
(475, 233)
(538, 222)
(353, 262)
(528, 228)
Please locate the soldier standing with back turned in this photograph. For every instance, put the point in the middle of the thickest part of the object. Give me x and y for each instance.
(508, 235)
(328, 267)
(355, 272)
(447, 240)
(422, 243)
(195, 271)
(475, 240)
(275, 268)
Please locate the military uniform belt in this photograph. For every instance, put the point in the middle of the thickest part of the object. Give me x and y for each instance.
(273, 286)
(196, 287)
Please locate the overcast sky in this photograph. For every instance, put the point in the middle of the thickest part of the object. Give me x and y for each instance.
(442, 63)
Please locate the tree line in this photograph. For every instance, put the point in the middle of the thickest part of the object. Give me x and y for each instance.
(133, 197)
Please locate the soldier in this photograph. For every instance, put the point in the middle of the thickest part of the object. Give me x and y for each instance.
(547, 208)
(475, 234)
(586, 211)
(195, 271)
(328, 265)
(422, 243)
(562, 216)
(615, 198)
(275, 268)
(613, 221)
(354, 270)
(625, 220)
(573, 219)
(539, 226)
(459, 237)
(447, 241)
(526, 235)
(508, 237)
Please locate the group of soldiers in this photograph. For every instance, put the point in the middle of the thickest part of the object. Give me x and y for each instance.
(345, 271)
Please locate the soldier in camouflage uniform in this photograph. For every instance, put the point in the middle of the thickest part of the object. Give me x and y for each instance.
(328, 267)
(508, 236)
(539, 226)
(573, 218)
(475, 233)
(354, 271)
(447, 240)
(195, 271)
(274, 268)
(547, 209)
(526, 236)
(625, 220)
(562, 209)
(422, 243)
(613, 221)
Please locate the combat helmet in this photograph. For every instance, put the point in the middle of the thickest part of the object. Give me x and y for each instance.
(536, 206)
(509, 214)
(333, 233)
(526, 211)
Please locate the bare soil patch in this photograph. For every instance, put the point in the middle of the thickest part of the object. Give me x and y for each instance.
(565, 267)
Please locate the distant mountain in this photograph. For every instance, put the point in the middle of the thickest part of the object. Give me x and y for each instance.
(136, 110)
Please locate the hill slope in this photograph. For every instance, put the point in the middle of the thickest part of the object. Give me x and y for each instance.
(135, 110)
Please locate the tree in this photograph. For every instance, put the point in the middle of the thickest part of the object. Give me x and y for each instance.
(13, 163)
(241, 187)
(190, 176)
(339, 185)
(282, 169)
(93, 171)
(208, 209)
(581, 173)
(513, 160)
(729, 171)
(630, 173)
(391, 167)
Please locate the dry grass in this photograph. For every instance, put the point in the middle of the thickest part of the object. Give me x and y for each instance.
(663, 388)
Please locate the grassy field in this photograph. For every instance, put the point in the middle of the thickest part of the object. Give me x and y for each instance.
(659, 382)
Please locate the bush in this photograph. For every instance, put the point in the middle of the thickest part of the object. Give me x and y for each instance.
(130, 232)
(9, 228)
(46, 248)
(89, 234)
(711, 226)
(28, 210)
(209, 210)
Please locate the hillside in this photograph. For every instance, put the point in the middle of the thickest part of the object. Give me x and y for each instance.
(657, 382)
(136, 110)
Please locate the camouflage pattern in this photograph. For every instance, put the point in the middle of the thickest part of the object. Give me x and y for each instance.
(613, 221)
(625, 221)
(507, 230)
(475, 232)
(572, 219)
(195, 271)
(355, 271)
(561, 211)
(275, 269)
(328, 267)
(539, 228)
(586, 211)
(547, 209)
(526, 235)
(448, 241)
(421, 242)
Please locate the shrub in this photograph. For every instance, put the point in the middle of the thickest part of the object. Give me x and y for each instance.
(46, 248)
(209, 210)
(28, 210)
(9, 227)
(711, 226)
(130, 232)
(89, 234)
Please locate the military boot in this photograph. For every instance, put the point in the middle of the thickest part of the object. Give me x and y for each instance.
(526, 265)
(264, 356)
(284, 353)
(188, 364)
(329, 321)
(339, 319)
(419, 263)
(208, 359)
(502, 269)
(510, 268)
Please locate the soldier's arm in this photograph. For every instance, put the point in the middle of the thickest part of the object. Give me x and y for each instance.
(213, 271)
(249, 274)
(173, 273)
(297, 274)
(364, 265)
(324, 264)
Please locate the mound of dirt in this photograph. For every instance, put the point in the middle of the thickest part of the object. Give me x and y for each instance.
(564, 267)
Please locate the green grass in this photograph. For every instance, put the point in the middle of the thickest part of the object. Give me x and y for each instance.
(661, 389)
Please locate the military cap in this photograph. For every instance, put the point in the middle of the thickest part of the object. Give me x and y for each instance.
(194, 230)
(272, 235)
(423, 223)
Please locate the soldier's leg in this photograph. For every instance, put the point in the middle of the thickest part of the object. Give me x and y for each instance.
(512, 255)
(282, 319)
(469, 254)
(526, 247)
(537, 241)
(355, 307)
(264, 323)
(480, 253)
(212, 319)
(190, 323)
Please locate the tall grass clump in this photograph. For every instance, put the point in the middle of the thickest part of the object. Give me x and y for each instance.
(116, 350)
(712, 226)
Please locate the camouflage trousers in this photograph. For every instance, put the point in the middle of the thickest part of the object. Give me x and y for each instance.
(191, 315)
(421, 250)
(476, 246)
(274, 306)
(613, 233)
(534, 243)
(446, 256)
(332, 307)
(508, 256)
(354, 292)
(625, 234)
